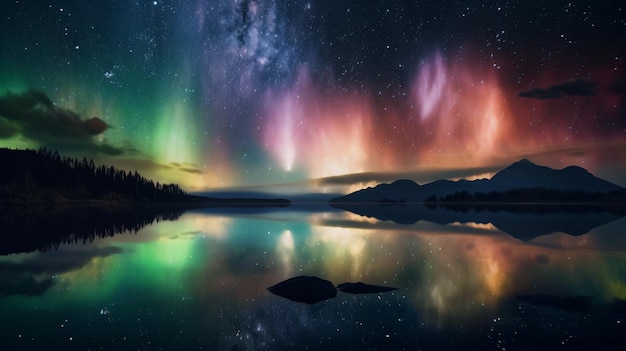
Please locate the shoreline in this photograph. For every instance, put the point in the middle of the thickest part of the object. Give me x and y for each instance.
(196, 202)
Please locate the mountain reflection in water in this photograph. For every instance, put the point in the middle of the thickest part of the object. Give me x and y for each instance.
(523, 221)
(199, 280)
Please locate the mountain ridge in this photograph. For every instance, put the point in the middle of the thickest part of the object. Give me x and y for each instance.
(522, 174)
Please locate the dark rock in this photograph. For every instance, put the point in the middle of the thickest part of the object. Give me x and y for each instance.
(307, 289)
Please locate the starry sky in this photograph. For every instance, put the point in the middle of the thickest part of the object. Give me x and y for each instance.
(317, 95)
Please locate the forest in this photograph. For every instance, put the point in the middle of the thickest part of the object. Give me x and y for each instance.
(40, 176)
(532, 195)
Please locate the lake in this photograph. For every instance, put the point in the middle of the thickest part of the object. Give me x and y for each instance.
(198, 281)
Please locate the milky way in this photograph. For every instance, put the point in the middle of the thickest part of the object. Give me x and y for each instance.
(244, 92)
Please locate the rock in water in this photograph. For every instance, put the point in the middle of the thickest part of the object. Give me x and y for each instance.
(307, 289)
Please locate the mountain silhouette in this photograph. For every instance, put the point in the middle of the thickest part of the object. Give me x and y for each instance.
(520, 175)
(525, 174)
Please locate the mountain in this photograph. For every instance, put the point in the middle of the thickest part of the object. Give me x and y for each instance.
(520, 175)
(525, 174)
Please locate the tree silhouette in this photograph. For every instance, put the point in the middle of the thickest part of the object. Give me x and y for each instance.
(42, 174)
(536, 195)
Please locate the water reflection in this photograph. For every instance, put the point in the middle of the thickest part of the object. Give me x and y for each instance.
(46, 227)
(523, 221)
(200, 281)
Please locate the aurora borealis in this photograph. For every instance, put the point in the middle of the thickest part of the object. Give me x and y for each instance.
(315, 96)
(246, 93)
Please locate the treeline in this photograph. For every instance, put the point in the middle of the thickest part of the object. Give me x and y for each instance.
(532, 195)
(29, 175)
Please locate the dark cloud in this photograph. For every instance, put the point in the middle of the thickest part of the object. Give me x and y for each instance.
(608, 147)
(578, 87)
(421, 176)
(151, 168)
(186, 167)
(94, 126)
(542, 94)
(34, 116)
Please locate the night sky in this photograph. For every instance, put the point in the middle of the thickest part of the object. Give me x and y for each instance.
(244, 93)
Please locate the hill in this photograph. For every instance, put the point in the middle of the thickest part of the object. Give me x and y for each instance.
(523, 181)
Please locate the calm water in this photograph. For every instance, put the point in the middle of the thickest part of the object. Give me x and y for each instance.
(200, 282)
